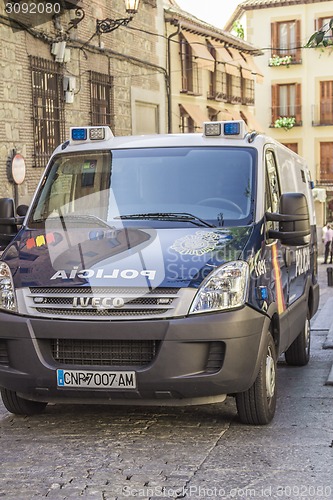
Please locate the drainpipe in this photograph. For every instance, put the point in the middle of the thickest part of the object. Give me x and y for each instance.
(169, 76)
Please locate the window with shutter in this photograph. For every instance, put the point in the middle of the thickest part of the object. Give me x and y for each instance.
(286, 102)
(291, 145)
(191, 77)
(326, 103)
(186, 65)
(286, 40)
(326, 163)
(323, 22)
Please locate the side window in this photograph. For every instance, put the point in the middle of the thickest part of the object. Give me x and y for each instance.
(272, 185)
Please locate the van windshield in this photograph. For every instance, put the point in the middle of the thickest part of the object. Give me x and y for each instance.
(151, 186)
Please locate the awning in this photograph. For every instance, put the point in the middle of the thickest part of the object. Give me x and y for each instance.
(235, 114)
(196, 113)
(251, 121)
(223, 56)
(200, 50)
(254, 68)
(246, 70)
(224, 114)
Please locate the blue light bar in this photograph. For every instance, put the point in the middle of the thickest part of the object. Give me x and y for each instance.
(79, 134)
(231, 128)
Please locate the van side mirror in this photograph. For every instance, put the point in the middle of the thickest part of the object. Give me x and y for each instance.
(22, 210)
(294, 220)
(8, 221)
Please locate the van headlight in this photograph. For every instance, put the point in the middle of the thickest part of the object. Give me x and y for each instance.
(7, 293)
(224, 288)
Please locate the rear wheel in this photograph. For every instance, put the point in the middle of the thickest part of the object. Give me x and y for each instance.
(298, 354)
(19, 406)
(256, 406)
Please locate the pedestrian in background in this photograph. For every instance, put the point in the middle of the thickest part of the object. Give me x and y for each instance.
(328, 243)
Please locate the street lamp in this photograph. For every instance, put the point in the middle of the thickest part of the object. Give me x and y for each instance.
(107, 25)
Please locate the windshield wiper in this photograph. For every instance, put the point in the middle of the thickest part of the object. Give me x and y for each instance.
(75, 217)
(176, 217)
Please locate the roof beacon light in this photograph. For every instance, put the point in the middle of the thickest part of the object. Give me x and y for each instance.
(213, 129)
(232, 129)
(80, 135)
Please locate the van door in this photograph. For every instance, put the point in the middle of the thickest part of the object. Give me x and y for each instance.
(277, 252)
(299, 258)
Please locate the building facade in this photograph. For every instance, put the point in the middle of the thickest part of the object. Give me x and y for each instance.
(164, 71)
(58, 69)
(296, 104)
(212, 73)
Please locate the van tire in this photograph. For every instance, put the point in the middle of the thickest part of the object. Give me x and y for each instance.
(19, 406)
(256, 406)
(298, 354)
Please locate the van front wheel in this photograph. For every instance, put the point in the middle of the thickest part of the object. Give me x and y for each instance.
(20, 406)
(256, 406)
(298, 354)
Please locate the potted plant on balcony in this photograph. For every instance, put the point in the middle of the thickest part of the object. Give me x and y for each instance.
(286, 122)
(276, 60)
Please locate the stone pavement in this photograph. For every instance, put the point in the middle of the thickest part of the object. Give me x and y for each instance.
(323, 320)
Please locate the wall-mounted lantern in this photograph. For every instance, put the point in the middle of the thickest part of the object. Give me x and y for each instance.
(107, 25)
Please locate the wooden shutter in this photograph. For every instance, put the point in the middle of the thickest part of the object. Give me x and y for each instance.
(298, 54)
(274, 39)
(326, 102)
(291, 145)
(298, 114)
(326, 162)
(275, 103)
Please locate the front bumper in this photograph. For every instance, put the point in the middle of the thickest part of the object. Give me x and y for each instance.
(199, 358)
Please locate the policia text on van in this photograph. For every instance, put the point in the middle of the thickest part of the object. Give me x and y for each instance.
(158, 270)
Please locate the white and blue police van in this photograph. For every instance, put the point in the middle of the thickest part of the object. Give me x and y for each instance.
(158, 270)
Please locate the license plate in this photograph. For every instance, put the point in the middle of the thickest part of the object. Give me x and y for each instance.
(96, 380)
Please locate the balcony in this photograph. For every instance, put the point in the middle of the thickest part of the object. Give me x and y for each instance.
(325, 173)
(288, 111)
(248, 101)
(216, 96)
(322, 114)
(284, 58)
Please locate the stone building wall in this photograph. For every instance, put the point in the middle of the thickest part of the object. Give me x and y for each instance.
(130, 55)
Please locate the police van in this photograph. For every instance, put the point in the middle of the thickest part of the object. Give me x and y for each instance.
(158, 270)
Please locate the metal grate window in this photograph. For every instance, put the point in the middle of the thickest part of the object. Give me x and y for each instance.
(101, 99)
(48, 108)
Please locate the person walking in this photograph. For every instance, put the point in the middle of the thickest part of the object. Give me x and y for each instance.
(328, 244)
(323, 232)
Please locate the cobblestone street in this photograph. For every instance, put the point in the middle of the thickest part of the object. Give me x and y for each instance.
(200, 452)
(103, 452)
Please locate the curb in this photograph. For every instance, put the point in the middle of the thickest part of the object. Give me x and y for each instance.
(328, 344)
(323, 318)
(329, 380)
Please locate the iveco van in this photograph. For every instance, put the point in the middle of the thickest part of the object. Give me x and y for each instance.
(158, 270)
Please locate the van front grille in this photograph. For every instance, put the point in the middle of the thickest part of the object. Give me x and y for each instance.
(101, 302)
(104, 352)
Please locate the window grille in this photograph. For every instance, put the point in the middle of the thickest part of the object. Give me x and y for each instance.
(48, 108)
(101, 99)
(247, 91)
